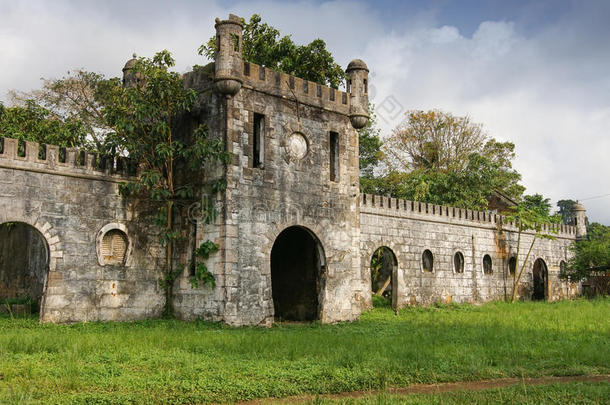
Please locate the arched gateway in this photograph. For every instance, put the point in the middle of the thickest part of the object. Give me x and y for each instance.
(297, 264)
(24, 264)
(541, 279)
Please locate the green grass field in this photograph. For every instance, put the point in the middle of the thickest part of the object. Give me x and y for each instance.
(572, 393)
(177, 362)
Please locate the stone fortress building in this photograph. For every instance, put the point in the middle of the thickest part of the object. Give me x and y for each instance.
(295, 235)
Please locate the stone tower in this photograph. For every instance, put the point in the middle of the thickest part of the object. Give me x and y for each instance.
(288, 229)
(130, 78)
(580, 220)
(358, 89)
(229, 64)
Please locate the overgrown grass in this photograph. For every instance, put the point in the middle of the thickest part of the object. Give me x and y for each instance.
(570, 393)
(172, 361)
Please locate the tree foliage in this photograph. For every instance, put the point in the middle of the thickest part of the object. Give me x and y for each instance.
(144, 118)
(538, 204)
(75, 97)
(264, 45)
(590, 253)
(566, 210)
(442, 159)
(369, 147)
(433, 140)
(32, 122)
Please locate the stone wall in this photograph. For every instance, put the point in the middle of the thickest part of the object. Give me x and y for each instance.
(409, 228)
(68, 201)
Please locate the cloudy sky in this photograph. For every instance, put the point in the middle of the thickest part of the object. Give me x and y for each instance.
(536, 73)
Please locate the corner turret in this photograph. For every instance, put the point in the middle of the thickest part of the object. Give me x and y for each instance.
(130, 79)
(229, 63)
(358, 89)
(580, 220)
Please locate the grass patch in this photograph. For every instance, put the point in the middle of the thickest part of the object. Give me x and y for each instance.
(176, 362)
(570, 393)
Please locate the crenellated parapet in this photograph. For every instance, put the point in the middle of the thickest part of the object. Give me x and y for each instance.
(231, 73)
(52, 159)
(388, 206)
(262, 79)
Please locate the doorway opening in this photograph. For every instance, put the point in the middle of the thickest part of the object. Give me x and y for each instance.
(384, 266)
(540, 273)
(24, 265)
(297, 266)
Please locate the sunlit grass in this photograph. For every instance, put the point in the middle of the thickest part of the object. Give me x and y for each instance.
(172, 361)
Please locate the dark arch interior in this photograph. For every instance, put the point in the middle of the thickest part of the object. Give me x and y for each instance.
(487, 264)
(540, 274)
(427, 260)
(24, 261)
(383, 263)
(512, 265)
(297, 262)
(458, 262)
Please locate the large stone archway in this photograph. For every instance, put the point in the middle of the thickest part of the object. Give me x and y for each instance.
(540, 280)
(24, 264)
(384, 268)
(297, 264)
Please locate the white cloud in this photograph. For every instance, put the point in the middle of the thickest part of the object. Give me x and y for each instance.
(546, 91)
(526, 90)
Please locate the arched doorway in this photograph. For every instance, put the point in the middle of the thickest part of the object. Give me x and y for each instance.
(540, 274)
(297, 265)
(24, 264)
(383, 273)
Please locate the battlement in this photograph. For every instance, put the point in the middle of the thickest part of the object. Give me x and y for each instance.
(273, 82)
(74, 162)
(387, 206)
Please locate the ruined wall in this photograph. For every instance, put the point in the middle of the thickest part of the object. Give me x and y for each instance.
(408, 228)
(69, 201)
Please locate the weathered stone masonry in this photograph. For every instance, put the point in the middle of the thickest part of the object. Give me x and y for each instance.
(296, 237)
(68, 203)
(409, 228)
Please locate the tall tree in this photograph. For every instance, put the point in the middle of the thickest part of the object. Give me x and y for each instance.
(566, 210)
(529, 216)
(538, 204)
(264, 45)
(144, 118)
(439, 158)
(433, 140)
(75, 96)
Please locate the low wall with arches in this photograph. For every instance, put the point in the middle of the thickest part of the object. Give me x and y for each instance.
(446, 254)
(102, 263)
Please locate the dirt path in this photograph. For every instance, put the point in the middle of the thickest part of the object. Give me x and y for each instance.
(438, 388)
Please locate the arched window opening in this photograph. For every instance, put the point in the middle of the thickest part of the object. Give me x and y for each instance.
(487, 265)
(458, 262)
(512, 265)
(427, 261)
(114, 247)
